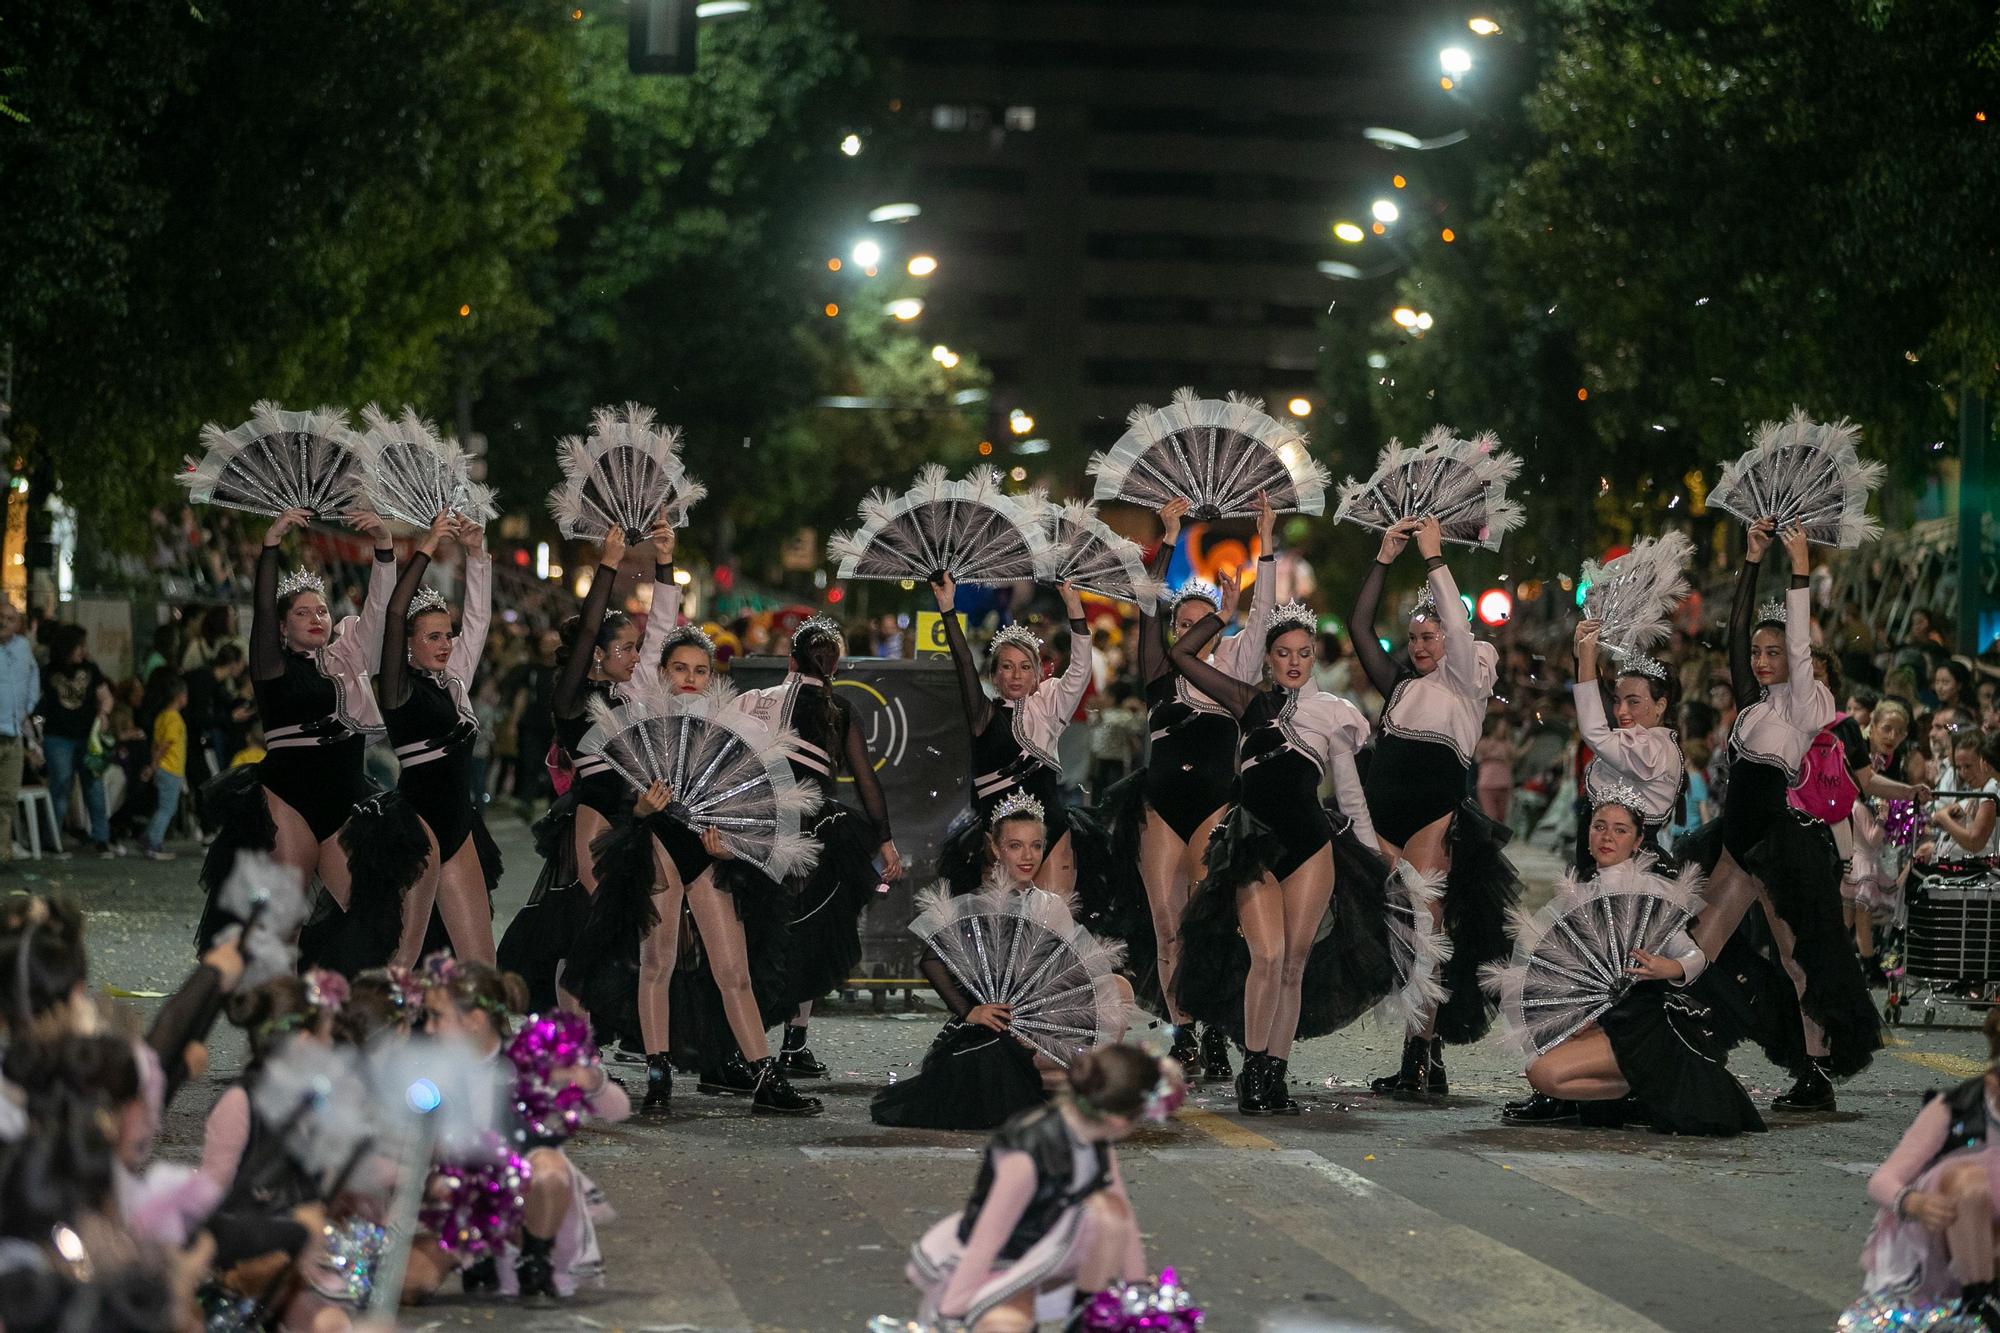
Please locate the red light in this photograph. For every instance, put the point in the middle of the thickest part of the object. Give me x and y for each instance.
(1495, 607)
(835, 595)
(521, 557)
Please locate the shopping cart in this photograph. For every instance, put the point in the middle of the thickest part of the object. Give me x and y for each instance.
(1950, 935)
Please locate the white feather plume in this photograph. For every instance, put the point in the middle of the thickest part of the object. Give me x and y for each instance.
(1217, 453)
(727, 770)
(411, 473)
(1026, 951)
(1570, 957)
(277, 460)
(322, 1097)
(969, 529)
(270, 896)
(1635, 595)
(1461, 483)
(626, 474)
(1093, 558)
(446, 1079)
(1417, 946)
(1806, 472)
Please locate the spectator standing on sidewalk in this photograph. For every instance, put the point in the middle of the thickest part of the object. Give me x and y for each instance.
(20, 689)
(75, 696)
(169, 693)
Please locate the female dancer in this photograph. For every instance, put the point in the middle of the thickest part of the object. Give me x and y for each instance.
(1049, 1210)
(1272, 869)
(1885, 828)
(1417, 781)
(1773, 855)
(425, 689)
(1191, 768)
(1657, 1048)
(825, 944)
(1015, 737)
(318, 715)
(1643, 753)
(976, 1074)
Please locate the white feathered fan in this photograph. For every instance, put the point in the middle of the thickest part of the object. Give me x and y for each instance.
(727, 771)
(1024, 950)
(1093, 558)
(1570, 957)
(412, 474)
(1635, 595)
(1217, 453)
(1460, 483)
(626, 474)
(277, 460)
(1806, 472)
(1418, 949)
(968, 529)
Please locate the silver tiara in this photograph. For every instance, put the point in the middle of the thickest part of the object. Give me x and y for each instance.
(1771, 609)
(427, 600)
(1638, 664)
(814, 627)
(301, 580)
(1199, 590)
(1427, 605)
(1016, 806)
(686, 636)
(1018, 636)
(1621, 793)
(1292, 615)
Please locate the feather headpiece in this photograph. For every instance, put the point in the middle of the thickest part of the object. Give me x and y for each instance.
(1018, 636)
(1016, 805)
(301, 580)
(1292, 615)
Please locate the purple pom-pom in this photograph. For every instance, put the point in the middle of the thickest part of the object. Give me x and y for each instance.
(1159, 1306)
(549, 1107)
(482, 1203)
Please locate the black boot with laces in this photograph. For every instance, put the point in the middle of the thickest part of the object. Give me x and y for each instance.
(1413, 1079)
(775, 1093)
(796, 1059)
(1186, 1049)
(1277, 1087)
(535, 1271)
(1215, 1055)
(1253, 1095)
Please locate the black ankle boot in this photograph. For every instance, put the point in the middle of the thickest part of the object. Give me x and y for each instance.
(1277, 1087)
(1981, 1301)
(1413, 1079)
(735, 1077)
(1540, 1109)
(1186, 1050)
(1253, 1097)
(480, 1277)
(1434, 1070)
(659, 1084)
(774, 1093)
(1614, 1114)
(1812, 1092)
(535, 1270)
(1215, 1055)
(795, 1059)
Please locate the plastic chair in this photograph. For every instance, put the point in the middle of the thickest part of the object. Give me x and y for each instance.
(34, 801)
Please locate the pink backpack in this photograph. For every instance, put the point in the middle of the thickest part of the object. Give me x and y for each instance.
(1825, 790)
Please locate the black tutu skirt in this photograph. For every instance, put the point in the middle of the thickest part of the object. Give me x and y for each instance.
(234, 804)
(1799, 866)
(1669, 1049)
(540, 935)
(1126, 914)
(1479, 891)
(825, 931)
(387, 850)
(972, 1078)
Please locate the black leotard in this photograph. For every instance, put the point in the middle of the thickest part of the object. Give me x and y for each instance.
(598, 785)
(1410, 783)
(433, 739)
(1001, 762)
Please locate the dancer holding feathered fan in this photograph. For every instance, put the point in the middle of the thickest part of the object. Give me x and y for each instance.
(1417, 782)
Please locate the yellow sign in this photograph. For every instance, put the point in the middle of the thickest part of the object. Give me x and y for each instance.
(930, 633)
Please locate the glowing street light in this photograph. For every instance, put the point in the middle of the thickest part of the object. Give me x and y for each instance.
(1455, 61)
(1020, 422)
(1348, 232)
(1300, 407)
(944, 356)
(1383, 137)
(1404, 316)
(867, 254)
(894, 213)
(851, 145)
(1385, 210)
(1424, 319)
(905, 309)
(1485, 27)
(921, 266)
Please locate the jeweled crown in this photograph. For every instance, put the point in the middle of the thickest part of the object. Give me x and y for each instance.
(301, 580)
(426, 601)
(1620, 793)
(1638, 664)
(1199, 590)
(1017, 805)
(1293, 615)
(1019, 636)
(1771, 609)
(814, 627)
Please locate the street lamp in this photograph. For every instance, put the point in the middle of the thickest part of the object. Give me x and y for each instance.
(1385, 210)
(1455, 61)
(1394, 139)
(1300, 407)
(906, 308)
(1347, 231)
(1404, 316)
(851, 145)
(1020, 422)
(921, 266)
(894, 213)
(867, 254)
(1485, 27)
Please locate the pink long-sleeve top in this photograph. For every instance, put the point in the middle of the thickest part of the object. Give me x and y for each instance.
(1921, 1144)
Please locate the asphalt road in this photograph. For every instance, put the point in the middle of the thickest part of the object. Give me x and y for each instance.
(1362, 1212)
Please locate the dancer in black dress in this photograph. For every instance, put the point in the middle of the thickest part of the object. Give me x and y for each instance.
(1417, 792)
(1765, 852)
(310, 679)
(1015, 737)
(825, 940)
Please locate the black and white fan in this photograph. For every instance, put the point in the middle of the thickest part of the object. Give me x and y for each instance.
(1024, 950)
(1093, 558)
(1570, 957)
(626, 474)
(275, 461)
(969, 529)
(411, 473)
(727, 771)
(1418, 948)
(1460, 483)
(1217, 453)
(1805, 472)
(1635, 595)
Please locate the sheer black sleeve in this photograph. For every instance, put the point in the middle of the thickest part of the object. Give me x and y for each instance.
(939, 976)
(392, 682)
(978, 708)
(1742, 622)
(187, 1016)
(569, 687)
(1152, 646)
(861, 767)
(1217, 684)
(267, 651)
(1367, 641)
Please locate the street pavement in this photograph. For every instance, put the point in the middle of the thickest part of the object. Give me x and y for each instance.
(1361, 1213)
